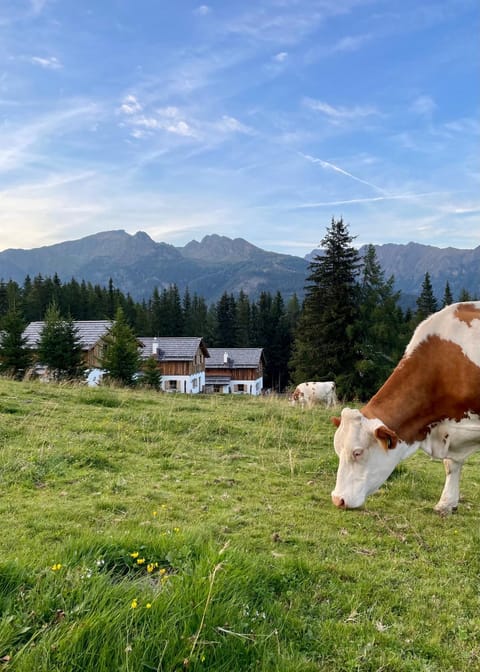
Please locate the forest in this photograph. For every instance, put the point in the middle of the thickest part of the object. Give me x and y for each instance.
(348, 327)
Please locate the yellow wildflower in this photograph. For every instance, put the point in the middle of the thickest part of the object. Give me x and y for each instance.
(140, 561)
(56, 567)
(134, 604)
(134, 554)
(148, 605)
(150, 567)
(154, 513)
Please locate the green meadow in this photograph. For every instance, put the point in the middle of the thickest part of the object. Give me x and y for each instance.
(159, 532)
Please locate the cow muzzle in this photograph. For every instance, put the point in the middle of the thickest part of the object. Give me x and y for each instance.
(339, 502)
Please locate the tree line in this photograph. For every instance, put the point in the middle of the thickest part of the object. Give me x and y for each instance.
(349, 326)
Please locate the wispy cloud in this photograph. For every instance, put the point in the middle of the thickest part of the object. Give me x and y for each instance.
(231, 125)
(130, 105)
(51, 62)
(20, 147)
(351, 42)
(203, 10)
(423, 106)
(38, 5)
(146, 120)
(339, 114)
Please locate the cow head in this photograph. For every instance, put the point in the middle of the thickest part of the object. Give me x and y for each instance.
(296, 397)
(368, 453)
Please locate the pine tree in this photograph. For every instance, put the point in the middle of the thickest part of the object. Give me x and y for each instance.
(426, 302)
(15, 356)
(59, 347)
(226, 321)
(152, 376)
(325, 340)
(464, 295)
(242, 321)
(447, 296)
(380, 327)
(121, 358)
(279, 350)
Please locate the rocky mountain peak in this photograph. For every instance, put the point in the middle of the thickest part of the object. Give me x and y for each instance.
(220, 248)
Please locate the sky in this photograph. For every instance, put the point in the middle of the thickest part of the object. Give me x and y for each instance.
(258, 119)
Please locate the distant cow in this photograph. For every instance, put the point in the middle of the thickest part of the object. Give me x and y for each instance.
(309, 394)
(431, 401)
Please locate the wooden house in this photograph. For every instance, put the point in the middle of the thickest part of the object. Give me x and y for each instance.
(90, 333)
(235, 370)
(181, 360)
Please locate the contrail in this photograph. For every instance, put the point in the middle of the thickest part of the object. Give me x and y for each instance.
(372, 199)
(332, 166)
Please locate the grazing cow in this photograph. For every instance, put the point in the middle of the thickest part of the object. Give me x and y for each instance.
(311, 393)
(430, 401)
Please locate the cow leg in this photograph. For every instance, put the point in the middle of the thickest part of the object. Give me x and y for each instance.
(451, 490)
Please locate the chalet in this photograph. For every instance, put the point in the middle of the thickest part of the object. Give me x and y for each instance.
(235, 370)
(90, 333)
(181, 360)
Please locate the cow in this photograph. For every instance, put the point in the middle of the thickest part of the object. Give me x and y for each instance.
(312, 393)
(430, 401)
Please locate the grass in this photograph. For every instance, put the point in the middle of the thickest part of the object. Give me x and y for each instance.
(143, 531)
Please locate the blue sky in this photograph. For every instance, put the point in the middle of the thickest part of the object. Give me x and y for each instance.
(259, 119)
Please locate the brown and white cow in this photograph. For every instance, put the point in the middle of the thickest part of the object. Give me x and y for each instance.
(430, 401)
(312, 393)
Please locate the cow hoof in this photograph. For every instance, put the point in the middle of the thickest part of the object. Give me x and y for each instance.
(445, 509)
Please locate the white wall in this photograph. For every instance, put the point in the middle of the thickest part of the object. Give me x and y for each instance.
(253, 387)
(185, 384)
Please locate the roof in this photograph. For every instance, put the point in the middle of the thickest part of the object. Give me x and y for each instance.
(173, 348)
(89, 332)
(217, 380)
(237, 358)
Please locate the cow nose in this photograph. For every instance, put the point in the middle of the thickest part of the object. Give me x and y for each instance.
(339, 502)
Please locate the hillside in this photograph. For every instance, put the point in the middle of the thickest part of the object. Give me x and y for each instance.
(137, 264)
(219, 264)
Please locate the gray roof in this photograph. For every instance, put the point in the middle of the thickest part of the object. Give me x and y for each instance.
(218, 380)
(173, 348)
(89, 332)
(237, 358)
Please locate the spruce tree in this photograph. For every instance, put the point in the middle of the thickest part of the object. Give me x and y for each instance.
(325, 340)
(59, 347)
(152, 376)
(15, 356)
(278, 351)
(447, 296)
(464, 295)
(381, 333)
(121, 357)
(226, 321)
(426, 302)
(242, 321)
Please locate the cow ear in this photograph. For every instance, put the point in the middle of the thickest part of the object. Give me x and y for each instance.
(387, 437)
(336, 421)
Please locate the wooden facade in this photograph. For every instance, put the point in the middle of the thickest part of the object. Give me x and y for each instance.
(235, 370)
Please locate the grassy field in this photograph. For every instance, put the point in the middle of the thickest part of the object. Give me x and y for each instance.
(143, 532)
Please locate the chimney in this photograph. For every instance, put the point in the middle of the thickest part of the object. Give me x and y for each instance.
(225, 358)
(154, 346)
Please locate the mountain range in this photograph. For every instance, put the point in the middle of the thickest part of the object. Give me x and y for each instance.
(136, 264)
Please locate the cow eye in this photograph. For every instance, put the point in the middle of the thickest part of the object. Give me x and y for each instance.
(357, 453)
